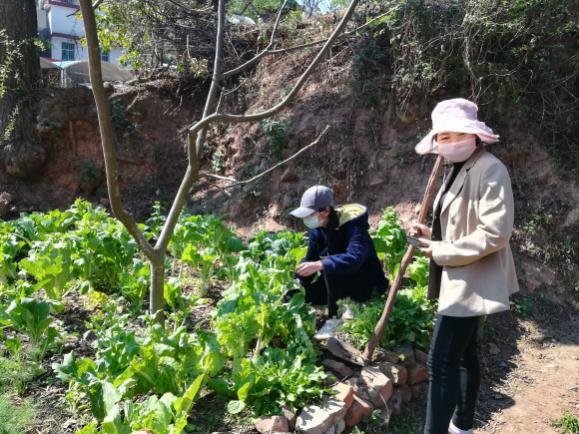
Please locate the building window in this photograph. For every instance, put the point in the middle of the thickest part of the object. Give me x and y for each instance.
(105, 56)
(68, 50)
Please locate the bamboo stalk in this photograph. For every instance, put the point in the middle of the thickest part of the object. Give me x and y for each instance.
(383, 321)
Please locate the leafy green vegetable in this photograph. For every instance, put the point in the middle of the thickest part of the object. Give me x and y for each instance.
(411, 321)
(32, 317)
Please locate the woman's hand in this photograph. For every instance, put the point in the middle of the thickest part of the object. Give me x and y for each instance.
(306, 269)
(419, 230)
(427, 249)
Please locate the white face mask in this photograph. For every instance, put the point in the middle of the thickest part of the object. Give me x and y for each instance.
(457, 152)
(312, 221)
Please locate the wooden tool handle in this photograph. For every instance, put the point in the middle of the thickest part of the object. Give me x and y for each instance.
(426, 201)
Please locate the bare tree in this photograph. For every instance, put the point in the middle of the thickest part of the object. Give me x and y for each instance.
(196, 139)
(19, 74)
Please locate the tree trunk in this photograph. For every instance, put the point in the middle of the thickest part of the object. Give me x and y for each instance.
(157, 288)
(20, 148)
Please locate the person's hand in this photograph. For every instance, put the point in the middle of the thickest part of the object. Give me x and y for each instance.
(306, 269)
(419, 230)
(427, 249)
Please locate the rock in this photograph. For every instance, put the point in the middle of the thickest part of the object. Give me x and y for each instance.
(318, 420)
(332, 430)
(395, 402)
(271, 424)
(383, 355)
(398, 374)
(417, 374)
(493, 349)
(406, 392)
(419, 391)
(345, 393)
(380, 387)
(421, 357)
(290, 414)
(360, 408)
(340, 426)
(345, 351)
(359, 387)
(337, 367)
(5, 201)
(407, 354)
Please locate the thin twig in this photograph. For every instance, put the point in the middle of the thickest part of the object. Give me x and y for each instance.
(196, 141)
(236, 183)
(227, 117)
(321, 41)
(254, 60)
(95, 6)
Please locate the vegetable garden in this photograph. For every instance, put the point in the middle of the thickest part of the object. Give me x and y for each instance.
(227, 331)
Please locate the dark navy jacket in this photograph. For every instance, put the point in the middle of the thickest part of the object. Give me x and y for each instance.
(347, 248)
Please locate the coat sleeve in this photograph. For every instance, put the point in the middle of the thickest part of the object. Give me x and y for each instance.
(355, 255)
(495, 223)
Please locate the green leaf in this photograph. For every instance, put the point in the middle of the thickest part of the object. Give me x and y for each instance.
(235, 407)
(179, 425)
(103, 398)
(243, 391)
(184, 403)
(113, 423)
(220, 386)
(91, 428)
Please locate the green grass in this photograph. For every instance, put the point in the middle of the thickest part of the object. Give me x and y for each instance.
(523, 306)
(568, 423)
(15, 418)
(16, 372)
(406, 423)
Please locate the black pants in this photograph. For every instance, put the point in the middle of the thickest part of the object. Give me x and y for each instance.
(355, 286)
(454, 374)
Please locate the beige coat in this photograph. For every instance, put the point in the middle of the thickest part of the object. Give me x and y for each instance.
(476, 220)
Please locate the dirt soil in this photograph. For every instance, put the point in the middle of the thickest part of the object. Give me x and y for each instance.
(538, 381)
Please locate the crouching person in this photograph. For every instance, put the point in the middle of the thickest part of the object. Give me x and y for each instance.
(340, 248)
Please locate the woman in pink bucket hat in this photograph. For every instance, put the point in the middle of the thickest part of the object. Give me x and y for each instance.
(472, 271)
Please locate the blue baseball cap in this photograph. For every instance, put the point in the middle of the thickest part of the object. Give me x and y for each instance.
(314, 199)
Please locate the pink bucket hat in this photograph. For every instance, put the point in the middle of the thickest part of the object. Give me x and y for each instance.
(455, 115)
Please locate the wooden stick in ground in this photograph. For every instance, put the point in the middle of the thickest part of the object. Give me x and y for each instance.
(426, 201)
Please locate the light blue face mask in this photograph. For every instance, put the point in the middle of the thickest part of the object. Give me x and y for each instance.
(312, 221)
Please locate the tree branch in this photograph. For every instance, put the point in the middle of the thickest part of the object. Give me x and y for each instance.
(95, 5)
(256, 58)
(344, 35)
(236, 183)
(226, 117)
(195, 141)
(106, 129)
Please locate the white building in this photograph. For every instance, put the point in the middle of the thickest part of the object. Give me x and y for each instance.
(60, 28)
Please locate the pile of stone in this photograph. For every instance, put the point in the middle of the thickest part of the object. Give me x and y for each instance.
(393, 379)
